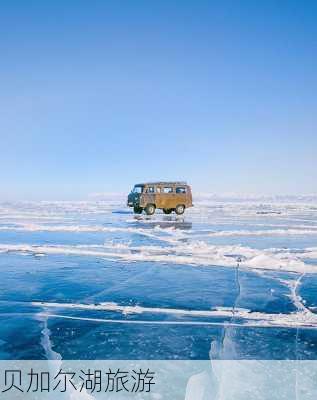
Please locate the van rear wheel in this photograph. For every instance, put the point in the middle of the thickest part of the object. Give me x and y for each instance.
(167, 210)
(180, 208)
(150, 209)
(137, 210)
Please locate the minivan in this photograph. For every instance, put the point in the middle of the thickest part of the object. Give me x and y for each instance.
(167, 196)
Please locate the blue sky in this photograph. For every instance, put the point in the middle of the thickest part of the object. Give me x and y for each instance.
(97, 95)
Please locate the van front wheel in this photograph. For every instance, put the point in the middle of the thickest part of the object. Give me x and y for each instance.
(150, 209)
(180, 208)
(167, 210)
(137, 210)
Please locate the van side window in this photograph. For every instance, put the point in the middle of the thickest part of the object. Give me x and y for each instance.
(137, 189)
(180, 190)
(150, 189)
(168, 190)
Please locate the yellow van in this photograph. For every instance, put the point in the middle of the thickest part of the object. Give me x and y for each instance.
(167, 196)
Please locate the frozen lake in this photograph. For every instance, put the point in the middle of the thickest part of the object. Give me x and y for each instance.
(89, 280)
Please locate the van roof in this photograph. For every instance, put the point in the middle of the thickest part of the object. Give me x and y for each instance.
(162, 183)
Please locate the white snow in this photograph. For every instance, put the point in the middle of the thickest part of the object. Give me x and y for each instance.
(302, 317)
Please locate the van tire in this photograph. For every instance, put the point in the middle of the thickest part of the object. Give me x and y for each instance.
(180, 209)
(137, 210)
(150, 209)
(167, 210)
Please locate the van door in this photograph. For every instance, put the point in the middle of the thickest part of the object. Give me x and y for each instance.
(159, 197)
(148, 196)
(181, 195)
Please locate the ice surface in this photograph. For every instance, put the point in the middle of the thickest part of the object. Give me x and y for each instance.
(91, 280)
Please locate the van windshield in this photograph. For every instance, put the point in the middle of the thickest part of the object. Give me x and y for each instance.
(137, 189)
